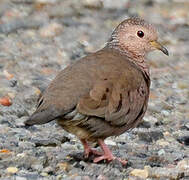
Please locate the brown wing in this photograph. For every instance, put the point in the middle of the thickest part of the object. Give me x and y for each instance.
(119, 101)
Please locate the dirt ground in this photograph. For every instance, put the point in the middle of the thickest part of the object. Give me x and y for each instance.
(38, 38)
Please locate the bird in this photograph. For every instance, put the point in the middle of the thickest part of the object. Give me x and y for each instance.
(104, 93)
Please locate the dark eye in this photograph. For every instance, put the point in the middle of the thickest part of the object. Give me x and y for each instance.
(140, 34)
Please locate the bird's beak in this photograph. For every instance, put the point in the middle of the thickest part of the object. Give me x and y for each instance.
(157, 45)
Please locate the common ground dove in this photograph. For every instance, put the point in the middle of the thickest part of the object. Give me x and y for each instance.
(105, 93)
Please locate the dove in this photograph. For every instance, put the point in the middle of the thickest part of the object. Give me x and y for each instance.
(104, 93)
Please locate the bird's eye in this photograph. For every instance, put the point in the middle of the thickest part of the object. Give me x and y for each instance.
(140, 34)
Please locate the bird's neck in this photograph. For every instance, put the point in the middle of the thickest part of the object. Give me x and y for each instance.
(139, 60)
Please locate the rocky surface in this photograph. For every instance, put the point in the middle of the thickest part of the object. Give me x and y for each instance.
(40, 37)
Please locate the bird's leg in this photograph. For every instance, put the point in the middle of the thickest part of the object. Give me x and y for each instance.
(107, 154)
(88, 150)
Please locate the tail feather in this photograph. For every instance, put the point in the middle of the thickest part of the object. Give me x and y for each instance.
(42, 117)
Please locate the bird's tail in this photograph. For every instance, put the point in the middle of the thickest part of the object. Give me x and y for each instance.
(42, 117)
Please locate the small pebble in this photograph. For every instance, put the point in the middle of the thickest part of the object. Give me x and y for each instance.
(162, 142)
(110, 142)
(51, 30)
(44, 174)
(141, 173)
(183, 165)
(161, 152)
(20, 178)
(12, 170)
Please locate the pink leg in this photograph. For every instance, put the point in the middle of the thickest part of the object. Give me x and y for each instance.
(88, 150)
(107, 154)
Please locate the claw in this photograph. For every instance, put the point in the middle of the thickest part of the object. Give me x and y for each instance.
(88, 150)
(108, 156)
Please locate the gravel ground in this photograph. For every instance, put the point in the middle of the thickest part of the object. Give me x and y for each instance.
(40, 37)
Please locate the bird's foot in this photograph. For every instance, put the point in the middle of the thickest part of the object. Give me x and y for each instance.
(108, 159)
(108, 156)
(88, 150)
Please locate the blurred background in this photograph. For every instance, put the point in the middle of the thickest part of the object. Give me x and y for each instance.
(40, 37)
(45, 35)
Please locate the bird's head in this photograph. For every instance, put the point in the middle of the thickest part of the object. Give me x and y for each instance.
(137, 37)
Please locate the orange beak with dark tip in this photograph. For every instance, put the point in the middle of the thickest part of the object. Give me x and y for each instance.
(160, 47)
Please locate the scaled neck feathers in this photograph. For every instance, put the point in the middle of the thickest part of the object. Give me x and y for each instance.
(139, 60)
